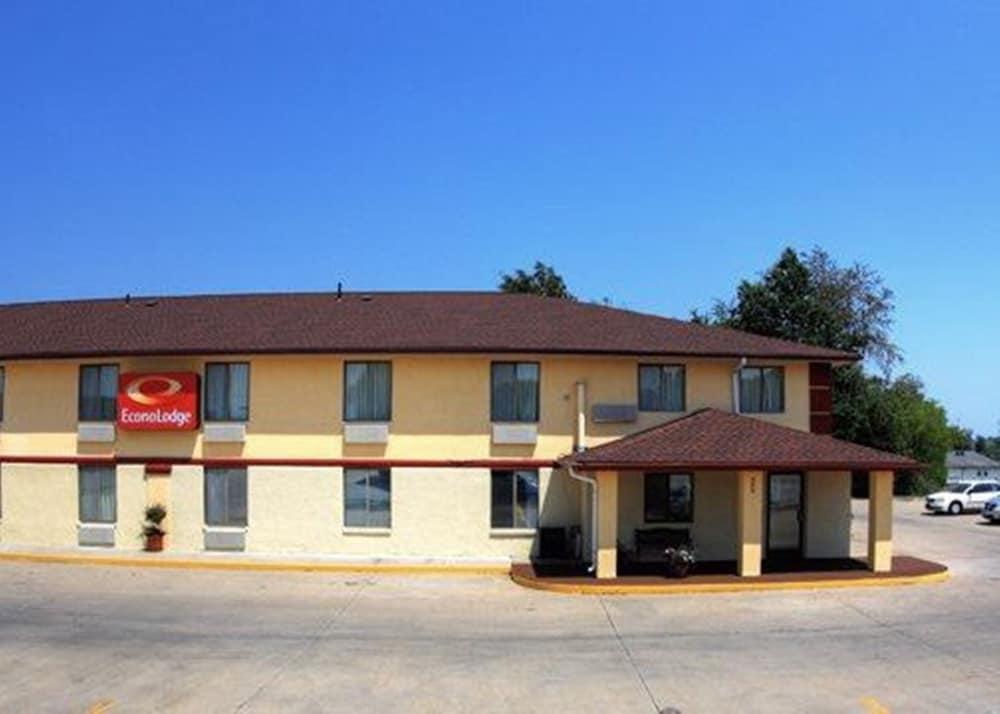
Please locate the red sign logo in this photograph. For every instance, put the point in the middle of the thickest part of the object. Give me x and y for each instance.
(161, 401)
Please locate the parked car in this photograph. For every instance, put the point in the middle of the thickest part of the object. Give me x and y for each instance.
(961, 496)
(991, 511)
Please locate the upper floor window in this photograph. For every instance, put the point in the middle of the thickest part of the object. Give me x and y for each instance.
(668, 498)
(98, 392)
(98, 494)
(514, 499)
(2, 385)
(661, 388)
(367, 391)
(514, 391)
(225, 497)
(227, 391)
(367, 498)
(762, 390)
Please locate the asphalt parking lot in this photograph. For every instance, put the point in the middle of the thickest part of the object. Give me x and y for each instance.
(98, 639)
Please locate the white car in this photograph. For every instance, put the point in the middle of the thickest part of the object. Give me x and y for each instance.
(991, 511)
(961, 496)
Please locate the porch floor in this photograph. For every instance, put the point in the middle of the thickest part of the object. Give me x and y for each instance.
(721, 576)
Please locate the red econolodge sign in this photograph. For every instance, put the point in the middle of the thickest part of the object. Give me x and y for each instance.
(158, 401)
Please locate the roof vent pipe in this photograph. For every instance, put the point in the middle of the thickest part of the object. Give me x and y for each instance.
(736, 384)
(340, 290)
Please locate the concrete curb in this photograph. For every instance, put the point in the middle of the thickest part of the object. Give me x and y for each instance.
(233, 564)
(708, 588)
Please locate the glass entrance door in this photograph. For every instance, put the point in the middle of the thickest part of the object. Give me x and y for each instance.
(784, 515)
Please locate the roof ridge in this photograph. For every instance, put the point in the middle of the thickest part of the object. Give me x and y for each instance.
(248, 294)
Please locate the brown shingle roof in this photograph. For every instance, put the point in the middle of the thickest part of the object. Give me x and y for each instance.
(713, 439)
(376, 322)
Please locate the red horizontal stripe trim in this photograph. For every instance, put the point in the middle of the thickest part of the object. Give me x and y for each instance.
(167, 462)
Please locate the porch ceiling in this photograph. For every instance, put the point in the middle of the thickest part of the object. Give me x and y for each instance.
(714, 439)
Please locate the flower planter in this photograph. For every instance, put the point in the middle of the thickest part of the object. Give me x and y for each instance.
(154, 542)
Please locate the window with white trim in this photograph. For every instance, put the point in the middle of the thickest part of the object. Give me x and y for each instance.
(98, 494)
(514, 499)
(367, 498)
(514, 391)
(98, 399)
(368, 391)
(227, 391)
(226, 497)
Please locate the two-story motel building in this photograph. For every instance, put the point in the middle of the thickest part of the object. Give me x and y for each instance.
(441, 426)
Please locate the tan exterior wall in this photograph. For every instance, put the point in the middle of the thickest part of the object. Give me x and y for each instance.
(436, 513)
(714, 527)
(186, 508)
(40, 505)
(131, 504)
(828, 514)
(440, 407)
(440, 411)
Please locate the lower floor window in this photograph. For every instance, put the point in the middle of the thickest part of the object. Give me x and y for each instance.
(514, 499)
(226, 497)
(669, 498)
(367, 498)
(98, 494)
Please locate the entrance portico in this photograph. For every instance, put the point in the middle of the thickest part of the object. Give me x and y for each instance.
(764, 492)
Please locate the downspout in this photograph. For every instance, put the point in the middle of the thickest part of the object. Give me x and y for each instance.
(736, 384)
(593, 513)
(580, 445)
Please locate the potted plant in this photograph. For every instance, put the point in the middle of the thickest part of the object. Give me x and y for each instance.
(152, 528)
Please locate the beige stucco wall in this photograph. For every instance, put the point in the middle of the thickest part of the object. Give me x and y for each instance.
(131, 495)
(436, 512)
(186, 509)
(40, 505)
(828, 514)
(714, 527)
(827, 511)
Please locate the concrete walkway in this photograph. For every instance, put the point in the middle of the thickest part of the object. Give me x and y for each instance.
(135, 639)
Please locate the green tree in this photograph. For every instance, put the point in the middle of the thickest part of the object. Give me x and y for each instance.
(963, 440)
(542, 280)
(809, 298)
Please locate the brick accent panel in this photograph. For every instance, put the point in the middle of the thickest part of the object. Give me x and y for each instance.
(821, 397)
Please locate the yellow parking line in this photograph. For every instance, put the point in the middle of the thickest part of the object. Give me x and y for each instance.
(871, 705)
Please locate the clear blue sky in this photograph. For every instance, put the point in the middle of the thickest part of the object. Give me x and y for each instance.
(655, 153)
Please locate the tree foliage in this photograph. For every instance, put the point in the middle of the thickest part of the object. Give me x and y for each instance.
(542, 280)
(809, 298)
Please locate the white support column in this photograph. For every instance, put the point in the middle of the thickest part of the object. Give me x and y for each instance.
(750, 521)
(880, 521)
(607, 524)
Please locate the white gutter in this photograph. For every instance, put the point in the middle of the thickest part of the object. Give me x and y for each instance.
(580, 445)
(593, 514)
(736, 384)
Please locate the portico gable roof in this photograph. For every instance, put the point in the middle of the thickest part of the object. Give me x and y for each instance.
(718, 440)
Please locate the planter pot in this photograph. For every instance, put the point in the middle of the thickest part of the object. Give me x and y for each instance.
(154, 543)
